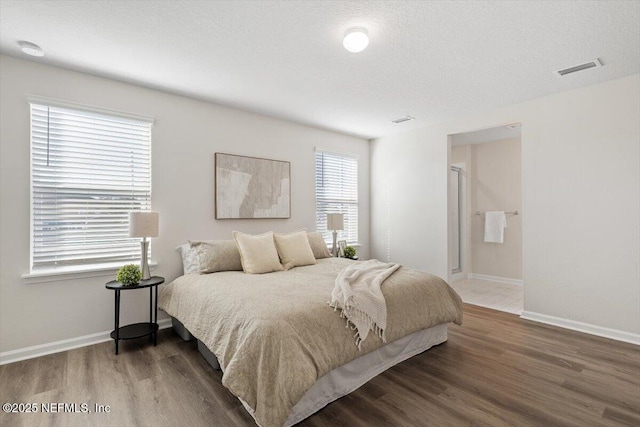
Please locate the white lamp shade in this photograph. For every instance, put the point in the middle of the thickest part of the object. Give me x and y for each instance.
(335, 221)
(143, 224)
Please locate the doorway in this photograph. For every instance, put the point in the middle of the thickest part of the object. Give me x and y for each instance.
(485, 176)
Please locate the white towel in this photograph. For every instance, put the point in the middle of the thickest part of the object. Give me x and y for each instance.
(357, 293)
(494, 224)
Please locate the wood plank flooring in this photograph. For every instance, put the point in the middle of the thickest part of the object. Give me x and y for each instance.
(495, 370)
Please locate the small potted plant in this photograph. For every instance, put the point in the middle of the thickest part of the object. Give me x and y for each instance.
(129, 275)
(350, 252)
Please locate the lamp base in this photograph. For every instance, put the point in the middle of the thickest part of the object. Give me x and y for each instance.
(334, 249)
(144, 262)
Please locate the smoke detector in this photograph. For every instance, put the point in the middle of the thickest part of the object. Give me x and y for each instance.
(594, 63)
(30, 48)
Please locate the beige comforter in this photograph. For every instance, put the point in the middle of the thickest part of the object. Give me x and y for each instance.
(274, 334)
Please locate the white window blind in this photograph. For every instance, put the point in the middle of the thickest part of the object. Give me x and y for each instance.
(88, 171)
(337, 192)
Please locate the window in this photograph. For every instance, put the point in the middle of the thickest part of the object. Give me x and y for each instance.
(337, 192)
(89, 169)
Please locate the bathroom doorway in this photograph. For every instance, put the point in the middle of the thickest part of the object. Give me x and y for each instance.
(485, 217)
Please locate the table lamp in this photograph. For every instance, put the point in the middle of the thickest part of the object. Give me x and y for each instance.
(143, 224)
(335, 222)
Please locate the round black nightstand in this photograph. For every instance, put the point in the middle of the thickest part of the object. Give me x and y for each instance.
(136, 330)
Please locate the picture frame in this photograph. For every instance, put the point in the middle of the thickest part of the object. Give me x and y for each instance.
(341, 245)
(251, 187)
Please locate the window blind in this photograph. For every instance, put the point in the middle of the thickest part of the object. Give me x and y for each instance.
(88, 171)
(337, 192)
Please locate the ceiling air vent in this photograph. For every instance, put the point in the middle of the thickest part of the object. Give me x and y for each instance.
(591, 64)
(402, 119)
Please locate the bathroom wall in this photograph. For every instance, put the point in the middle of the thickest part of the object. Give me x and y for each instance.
(495, 184)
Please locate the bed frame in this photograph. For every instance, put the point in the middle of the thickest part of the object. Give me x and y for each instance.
(343, 379)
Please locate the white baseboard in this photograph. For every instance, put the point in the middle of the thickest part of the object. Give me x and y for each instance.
(582, 327)
(64, 345)
(498, 279)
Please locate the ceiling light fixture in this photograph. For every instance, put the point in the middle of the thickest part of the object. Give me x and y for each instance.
(31, 48)
(356, 40)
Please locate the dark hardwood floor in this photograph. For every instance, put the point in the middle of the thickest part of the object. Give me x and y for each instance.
(495, 370)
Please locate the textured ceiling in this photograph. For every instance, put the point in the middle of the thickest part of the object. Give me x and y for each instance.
(431, 60)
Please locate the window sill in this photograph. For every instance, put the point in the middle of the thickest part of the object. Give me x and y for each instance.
(76, 272)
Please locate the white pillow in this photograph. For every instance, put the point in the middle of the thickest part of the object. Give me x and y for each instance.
(294, 249)
(258, 253)
(190, 263)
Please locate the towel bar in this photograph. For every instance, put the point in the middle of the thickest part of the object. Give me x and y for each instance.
(506, 213)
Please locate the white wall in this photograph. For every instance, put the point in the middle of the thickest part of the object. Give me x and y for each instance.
(581, 202)
(186, 135)
(409, 200)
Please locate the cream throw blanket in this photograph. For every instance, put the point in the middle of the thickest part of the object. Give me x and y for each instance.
(358, 295)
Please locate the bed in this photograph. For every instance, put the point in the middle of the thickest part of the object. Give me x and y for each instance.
(284, 352)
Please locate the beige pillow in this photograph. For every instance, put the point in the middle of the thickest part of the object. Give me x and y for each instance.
(318, 245)
(257, 252)
(216, 255)
(294, 249)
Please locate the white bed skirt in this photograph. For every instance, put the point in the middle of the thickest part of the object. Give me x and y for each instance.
(346, 378)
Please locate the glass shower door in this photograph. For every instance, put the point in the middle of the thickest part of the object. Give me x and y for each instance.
(456, 220)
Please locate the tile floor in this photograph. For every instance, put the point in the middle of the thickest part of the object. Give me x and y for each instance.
(499, 296)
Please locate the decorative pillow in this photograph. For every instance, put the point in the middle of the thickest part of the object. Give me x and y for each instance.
(216, 255)
(294, 249)
(318, 245)
(189, 259)
(258, 253)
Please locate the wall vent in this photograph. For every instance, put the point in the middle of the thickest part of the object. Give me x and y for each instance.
(591, 64)
(402, 119)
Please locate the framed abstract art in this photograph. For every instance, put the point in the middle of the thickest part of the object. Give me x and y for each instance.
(251, 187)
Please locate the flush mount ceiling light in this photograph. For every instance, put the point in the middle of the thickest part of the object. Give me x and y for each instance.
(356, 40)
(31, 48)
